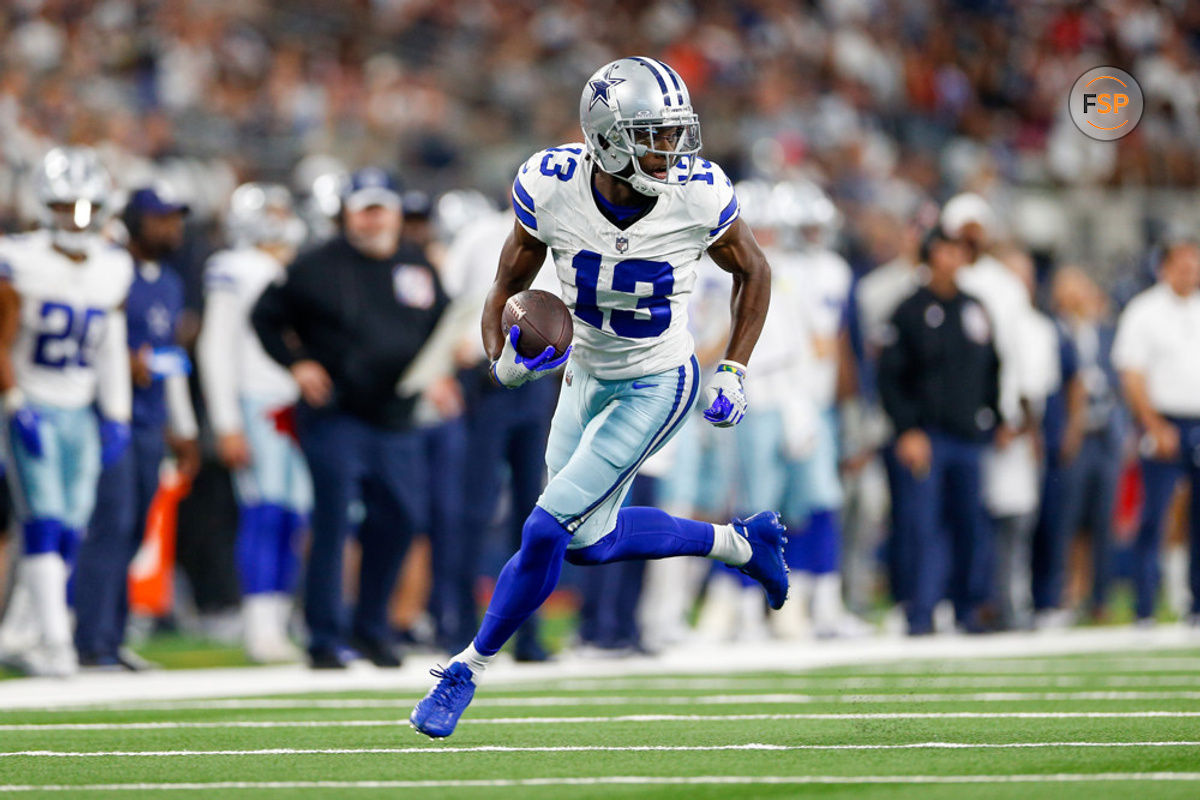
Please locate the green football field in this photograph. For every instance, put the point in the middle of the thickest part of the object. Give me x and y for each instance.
(1117, 725)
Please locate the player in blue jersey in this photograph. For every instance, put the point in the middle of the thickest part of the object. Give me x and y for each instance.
(626, 215)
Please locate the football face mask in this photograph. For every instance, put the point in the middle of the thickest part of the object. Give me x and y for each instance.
(639, 125)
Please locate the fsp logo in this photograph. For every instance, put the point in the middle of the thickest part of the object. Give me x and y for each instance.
(1106, 103)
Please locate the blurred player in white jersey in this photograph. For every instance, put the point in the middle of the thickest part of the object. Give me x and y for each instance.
(248, 395)
(62, 349)
(791, 453)
(626, 215)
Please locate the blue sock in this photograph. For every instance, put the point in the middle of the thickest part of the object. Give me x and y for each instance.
(287, 560)
(644, 533)
(42, 535)
(818, 547)
(525, 582)
(257, 547)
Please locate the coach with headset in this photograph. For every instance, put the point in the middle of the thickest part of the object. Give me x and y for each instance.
(347, 321)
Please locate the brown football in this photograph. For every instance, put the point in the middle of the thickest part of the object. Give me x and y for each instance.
(544, 320)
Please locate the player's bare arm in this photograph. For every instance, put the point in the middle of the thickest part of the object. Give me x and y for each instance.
(10, 320)
(520, 260)
(738, 254)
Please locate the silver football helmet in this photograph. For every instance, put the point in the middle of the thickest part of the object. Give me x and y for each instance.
(263, 213)
(73, 191)
(802, 208)
(635, 107)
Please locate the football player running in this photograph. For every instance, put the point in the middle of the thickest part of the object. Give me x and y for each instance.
(626, 215)
(62, 348)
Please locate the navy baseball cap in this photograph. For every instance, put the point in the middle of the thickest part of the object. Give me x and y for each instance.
(155, 200)
(368, 187)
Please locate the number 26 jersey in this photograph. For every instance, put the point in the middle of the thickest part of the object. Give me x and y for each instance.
(65, 306)
(627, 288)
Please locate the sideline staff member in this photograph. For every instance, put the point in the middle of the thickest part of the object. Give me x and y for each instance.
(939, 383)
(1158, 337)
(349, 318)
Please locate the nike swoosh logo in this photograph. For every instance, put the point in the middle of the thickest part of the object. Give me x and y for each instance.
(640, 385)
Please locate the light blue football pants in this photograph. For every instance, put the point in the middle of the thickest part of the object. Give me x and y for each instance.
(601, 434)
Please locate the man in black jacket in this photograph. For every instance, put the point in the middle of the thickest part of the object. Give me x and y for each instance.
(939, 383)
(348, 320)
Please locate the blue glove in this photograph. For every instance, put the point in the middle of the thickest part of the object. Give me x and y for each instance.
(512, 369)
(725, 395)
(25, 422)
(114, 438)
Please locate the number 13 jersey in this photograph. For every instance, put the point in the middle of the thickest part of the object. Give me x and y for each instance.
(627, 288)
(64, 314)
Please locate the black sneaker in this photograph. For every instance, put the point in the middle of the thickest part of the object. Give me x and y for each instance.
(327, 658)
(380, 653)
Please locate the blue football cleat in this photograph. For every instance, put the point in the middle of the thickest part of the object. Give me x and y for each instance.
(438, 712)
(766, 535)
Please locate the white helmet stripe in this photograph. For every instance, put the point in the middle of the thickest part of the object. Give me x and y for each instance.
(675, 79)
(659, 76)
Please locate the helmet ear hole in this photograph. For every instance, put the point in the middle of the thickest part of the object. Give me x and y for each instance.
(603, 142)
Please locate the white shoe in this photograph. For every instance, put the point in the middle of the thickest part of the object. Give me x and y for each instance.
(790, 623)
(847, 626)
(266, 639)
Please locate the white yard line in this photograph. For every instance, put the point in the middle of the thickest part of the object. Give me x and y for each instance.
(379, 723)
(439, 750)
(619, 780)
(648, 700)
(946, 654)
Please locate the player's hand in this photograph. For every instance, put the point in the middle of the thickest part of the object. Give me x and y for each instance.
(114, 438)
(187, 455)
(233, 450)
(25, 423)
(139, 366)
(915, 452)
(512, 369)
(726, 396)
(316, 386)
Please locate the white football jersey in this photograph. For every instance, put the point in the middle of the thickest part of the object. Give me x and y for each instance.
(626, 288)
(64, 310)
(809, 293)
(232, 360)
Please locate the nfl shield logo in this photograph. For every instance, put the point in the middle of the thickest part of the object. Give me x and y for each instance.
(622, 244)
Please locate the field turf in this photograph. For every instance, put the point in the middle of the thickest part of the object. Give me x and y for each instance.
(1116, 725)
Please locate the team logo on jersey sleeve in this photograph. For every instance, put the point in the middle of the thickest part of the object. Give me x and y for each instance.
(413, 286)
(622, 244)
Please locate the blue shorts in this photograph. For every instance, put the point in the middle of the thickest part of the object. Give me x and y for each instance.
(61, 483)
(277, 473)
(601, 434)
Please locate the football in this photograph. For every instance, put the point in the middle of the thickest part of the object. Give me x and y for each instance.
(544, 320)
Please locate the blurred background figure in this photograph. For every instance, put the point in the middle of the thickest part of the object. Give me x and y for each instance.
(62, 300)
(877, 294)
(941, 337)
(249, 398)
(1158, 337)
(163, 422)
(506, 429)
(348, 320)
(1085, 434)
(1013, 468)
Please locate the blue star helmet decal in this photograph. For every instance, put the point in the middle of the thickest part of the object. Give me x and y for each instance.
(601, 87)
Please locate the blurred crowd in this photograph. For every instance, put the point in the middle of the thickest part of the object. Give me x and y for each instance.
(874, 123)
